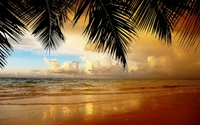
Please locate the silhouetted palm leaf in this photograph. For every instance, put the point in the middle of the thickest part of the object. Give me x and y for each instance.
(158, 17)
(46, 18)
(190, 28)
(109, 27)
(10, 27)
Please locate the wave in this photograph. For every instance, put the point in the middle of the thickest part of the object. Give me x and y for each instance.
(16, 89)
(42, 89)
(105, 98)
(10, 96)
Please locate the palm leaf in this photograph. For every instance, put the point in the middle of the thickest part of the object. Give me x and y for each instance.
(110, 28)
(159, 17)
(189, 30)
(10, 27)
(46, 18)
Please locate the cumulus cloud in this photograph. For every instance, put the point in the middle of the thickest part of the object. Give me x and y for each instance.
(67, 68)
(103, 66)
(91, 67)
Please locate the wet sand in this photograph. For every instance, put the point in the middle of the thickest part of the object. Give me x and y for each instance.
(168, 109)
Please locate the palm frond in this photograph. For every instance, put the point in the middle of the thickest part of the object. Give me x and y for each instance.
(5, 50)
(159, 17)
(189, 30)
(10, 26)
(110, 27)
(46, 18)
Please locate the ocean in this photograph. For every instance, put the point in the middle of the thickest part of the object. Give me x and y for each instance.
(68, 91)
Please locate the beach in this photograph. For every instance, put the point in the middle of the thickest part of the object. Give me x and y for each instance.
(149, 102)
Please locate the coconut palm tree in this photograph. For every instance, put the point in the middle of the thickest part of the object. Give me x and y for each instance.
(111, 25)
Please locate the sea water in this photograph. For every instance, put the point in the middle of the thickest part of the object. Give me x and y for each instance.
(68, 91)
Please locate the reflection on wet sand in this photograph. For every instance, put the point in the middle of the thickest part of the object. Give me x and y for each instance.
(52, 112)
(89, 109)
(133, 110)
(89, 106)
(65, 110)
(74, 114)
(45, 115)
(86, 112)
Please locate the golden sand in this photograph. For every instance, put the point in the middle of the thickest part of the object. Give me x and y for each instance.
(170, 109)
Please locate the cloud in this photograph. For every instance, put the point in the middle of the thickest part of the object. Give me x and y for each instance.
(74, 43)
(67, 68)
(149, 58)
(102, 66)
(91, 67)
(161, 65)
(27, 43)
(159, 62)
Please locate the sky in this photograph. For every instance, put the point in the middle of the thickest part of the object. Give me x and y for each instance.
(147, 58)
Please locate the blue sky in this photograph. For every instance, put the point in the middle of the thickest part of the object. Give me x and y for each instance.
(26, 59)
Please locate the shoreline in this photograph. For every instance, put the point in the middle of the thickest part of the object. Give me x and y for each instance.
(176, 108)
